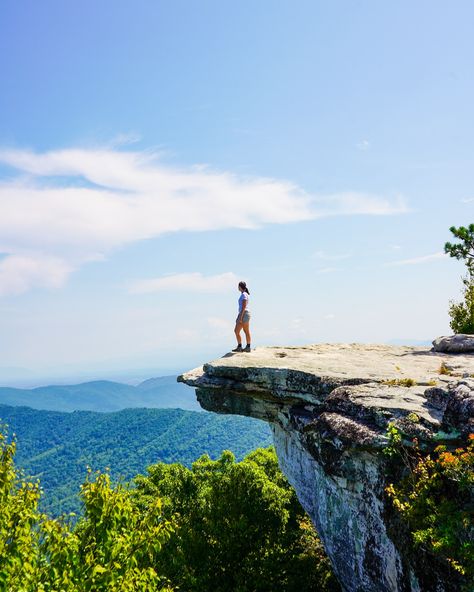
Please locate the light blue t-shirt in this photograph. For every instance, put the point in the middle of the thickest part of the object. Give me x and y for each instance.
(243, 297)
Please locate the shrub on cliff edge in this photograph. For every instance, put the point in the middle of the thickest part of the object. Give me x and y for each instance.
(436, 502)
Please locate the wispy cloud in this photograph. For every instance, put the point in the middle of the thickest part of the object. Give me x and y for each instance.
(186, 282)
(418, 260)
(125, 139)
(363, 145)
(75, 205)
(467, 200)
(353, 203)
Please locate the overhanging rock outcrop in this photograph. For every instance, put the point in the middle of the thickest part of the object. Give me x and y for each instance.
(329, 407)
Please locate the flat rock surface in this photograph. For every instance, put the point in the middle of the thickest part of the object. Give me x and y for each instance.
(423, 391)
(367, 363)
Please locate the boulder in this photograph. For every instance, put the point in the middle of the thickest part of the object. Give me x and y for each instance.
(454, 344)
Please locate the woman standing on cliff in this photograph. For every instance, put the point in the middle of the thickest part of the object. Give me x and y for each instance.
(243, 319)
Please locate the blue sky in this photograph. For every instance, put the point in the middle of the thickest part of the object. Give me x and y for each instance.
(154, 153)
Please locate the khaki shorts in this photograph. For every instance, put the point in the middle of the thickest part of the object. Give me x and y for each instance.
(245, 318)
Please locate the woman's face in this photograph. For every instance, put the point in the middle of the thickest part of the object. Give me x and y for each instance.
(240, 288)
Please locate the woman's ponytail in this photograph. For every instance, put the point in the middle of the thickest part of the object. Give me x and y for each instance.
(243, 285)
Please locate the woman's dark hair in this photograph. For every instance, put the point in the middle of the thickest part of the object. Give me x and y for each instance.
(243, 285)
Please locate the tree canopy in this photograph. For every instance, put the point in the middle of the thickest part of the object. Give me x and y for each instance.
(463, 250)
(239, 526)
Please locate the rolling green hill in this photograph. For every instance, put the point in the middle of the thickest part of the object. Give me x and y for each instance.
(57, 447)
(104, 395)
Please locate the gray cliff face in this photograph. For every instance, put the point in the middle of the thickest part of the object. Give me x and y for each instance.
(329, 407)
(346, 506)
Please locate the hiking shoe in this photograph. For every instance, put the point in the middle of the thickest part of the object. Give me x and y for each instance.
(247, 349)
(238, 349)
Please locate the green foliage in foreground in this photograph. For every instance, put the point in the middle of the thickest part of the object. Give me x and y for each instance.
(435, 500)
(108, 551)
(238, 526)
(58, 447)
(221, 525)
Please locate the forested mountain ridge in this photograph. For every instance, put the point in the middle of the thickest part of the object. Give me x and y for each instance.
(57, 447)
(103, 395)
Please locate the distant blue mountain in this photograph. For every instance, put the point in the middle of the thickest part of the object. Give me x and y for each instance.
(104, 395)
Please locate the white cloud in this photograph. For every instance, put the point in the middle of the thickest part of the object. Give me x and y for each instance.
(418, 260)
(75, 205)
(19, 273)
(187, 282)
(467, 200)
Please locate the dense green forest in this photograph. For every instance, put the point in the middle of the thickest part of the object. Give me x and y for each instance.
(58, 447)
(222, 525)
(104, 395)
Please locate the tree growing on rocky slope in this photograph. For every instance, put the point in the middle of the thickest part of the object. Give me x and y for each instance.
(462, 313)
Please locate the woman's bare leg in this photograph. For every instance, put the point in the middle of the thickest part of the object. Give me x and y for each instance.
(237, 330)
(246, 328)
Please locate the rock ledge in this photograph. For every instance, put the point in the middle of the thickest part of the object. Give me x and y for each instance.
(329, 406)
(370, 384)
